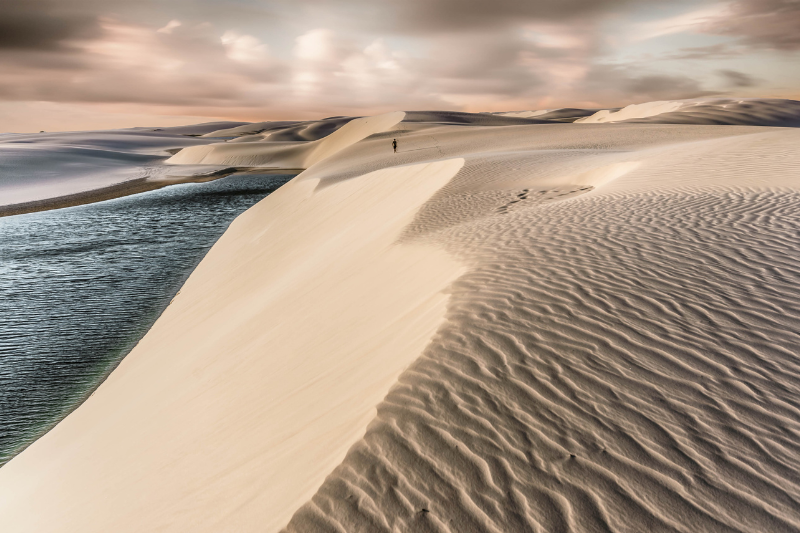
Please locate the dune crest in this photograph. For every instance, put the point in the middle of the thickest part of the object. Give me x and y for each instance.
(632, 111)
(298, 154)
(259, 376)
(720, 111)
(526, 114)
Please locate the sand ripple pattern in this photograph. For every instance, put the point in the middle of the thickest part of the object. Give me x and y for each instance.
(620, 362)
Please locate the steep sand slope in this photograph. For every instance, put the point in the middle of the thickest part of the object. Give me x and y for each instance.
(260, 375)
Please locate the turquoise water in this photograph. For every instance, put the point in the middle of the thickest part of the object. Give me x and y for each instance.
(80, 286)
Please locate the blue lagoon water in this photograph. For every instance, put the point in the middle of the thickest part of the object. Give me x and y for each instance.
(80, 286)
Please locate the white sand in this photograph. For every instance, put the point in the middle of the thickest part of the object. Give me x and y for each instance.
(649, 109)
(260, 375)
(40, 166)
(730, 111)
(618, 352)
(621, 359)
(298, 154)
(526, 114)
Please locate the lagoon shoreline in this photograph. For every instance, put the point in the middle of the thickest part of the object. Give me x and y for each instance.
(128, 188)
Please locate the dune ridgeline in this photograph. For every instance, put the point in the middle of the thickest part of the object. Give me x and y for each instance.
(553, 320)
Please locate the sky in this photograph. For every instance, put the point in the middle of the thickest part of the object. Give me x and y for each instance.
(90, 64)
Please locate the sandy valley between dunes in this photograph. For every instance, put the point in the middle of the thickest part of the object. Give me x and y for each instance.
(505, 326)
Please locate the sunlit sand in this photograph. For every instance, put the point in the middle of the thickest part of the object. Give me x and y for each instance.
(579, 320)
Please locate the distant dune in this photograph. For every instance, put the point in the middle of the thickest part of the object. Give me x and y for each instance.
(40, 171)
(734, 112)
(286, 154)
(513, 323)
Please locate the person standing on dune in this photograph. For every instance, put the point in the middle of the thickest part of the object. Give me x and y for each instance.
(394, 145)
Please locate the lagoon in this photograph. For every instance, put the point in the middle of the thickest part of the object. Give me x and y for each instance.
(80, 286)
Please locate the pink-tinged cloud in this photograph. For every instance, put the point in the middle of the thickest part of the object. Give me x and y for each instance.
(307, 58)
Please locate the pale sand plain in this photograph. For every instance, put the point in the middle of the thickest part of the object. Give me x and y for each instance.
(503, 327)
(41, 171)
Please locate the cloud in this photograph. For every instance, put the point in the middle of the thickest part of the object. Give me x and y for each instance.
(663, 87)
(737, 79)
(768, 24)
(303, 58)
(42, 25)
(129, 63)
(631, 84)
(321, 45)
(245, 48)
(424, 16)
(716, 51)
(171, 25)
(477, 63)
(691, 21)
(331, 71)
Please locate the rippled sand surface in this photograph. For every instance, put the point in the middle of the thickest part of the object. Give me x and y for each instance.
(617, 360)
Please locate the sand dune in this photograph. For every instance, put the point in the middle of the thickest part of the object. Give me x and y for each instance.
(633, 111)
(565, 114)
(41, 166)
(568, 114)
(252, 128)
(285, 130)
(621, 360)
(607, 316)
(525, 114)
(741, 112)
(466, 119)
(286, 154)
(194, 129)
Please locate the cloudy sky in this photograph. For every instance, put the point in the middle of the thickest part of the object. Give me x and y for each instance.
(79, 64)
